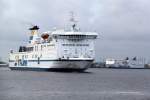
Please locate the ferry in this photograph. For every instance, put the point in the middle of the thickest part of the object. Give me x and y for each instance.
(58, 49)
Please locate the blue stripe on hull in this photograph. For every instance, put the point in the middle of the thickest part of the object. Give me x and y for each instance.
(51, 60)
(48, 69)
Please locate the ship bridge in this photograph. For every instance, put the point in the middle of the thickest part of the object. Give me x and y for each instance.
(74, 45)
(75, 35)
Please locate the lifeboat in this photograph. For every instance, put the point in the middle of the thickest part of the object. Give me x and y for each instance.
(45, 36)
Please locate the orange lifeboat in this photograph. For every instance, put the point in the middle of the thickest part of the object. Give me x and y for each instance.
(45, 36)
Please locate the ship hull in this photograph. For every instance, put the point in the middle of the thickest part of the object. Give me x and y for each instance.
(65, 65)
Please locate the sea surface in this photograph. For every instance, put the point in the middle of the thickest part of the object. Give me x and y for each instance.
(94, 84)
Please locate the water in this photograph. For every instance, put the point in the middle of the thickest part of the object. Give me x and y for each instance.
(94, 84)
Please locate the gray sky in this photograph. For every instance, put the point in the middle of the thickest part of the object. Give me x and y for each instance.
(123, 25)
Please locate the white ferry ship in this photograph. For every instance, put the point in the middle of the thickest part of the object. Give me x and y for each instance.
(67, 49)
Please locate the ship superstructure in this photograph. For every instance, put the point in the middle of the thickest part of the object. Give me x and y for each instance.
(56, 49)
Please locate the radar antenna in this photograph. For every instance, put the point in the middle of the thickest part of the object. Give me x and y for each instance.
(72, 19)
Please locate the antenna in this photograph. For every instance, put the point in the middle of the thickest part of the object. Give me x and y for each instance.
(72, 17)
(73, 21)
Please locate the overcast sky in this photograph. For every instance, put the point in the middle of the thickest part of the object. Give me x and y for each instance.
(123, 25)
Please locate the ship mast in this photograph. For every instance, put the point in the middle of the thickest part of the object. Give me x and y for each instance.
(73, 22)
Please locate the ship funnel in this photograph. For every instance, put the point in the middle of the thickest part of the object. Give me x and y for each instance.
(34, 38)
(34, 30)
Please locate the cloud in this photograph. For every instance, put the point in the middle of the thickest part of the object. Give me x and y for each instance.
(122, 24)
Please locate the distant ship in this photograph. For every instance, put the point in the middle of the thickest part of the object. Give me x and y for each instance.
(136, 62)
(3, 64)
(67, 49)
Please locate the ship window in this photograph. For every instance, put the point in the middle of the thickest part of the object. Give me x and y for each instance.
(32, 56)
(65, 51)
(41, 47)
(75, 44)
(26, 56)
(22, 56)
(22, 49)
(36, 56)
(31, 37)
(41, 56)
(38, 60)
(55, 36)
(17, 57)
(91, 50)
(36, 48)
(29, 49)
(50, 45)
